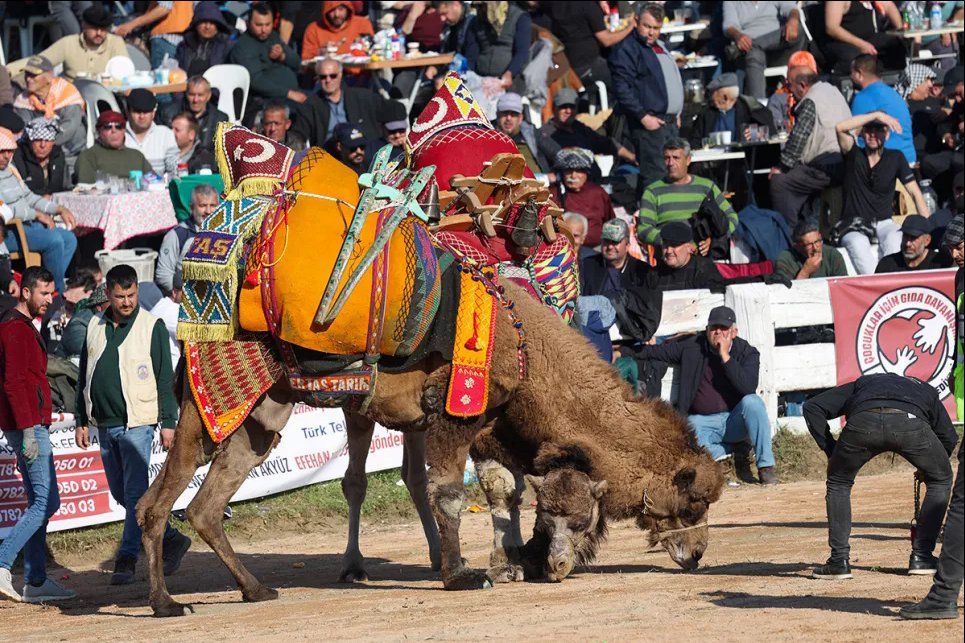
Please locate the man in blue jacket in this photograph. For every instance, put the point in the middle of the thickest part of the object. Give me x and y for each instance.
(648, 91)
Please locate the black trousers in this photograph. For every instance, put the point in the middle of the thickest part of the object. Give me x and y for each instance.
(891, 53)
(867, 434)
(948, 579)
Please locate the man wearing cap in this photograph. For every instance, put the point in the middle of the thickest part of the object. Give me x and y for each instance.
(648, 88)
(681, 196)
(276, 124)
(155, 142)
(86, 53)
(886, 413)
(916, 253)
(614, 274)
(869, 187)
(350, 144)
(876, 95)
(40, 161)
(109, 155)
(948, 159)
(394, 122)
(809, 256)
(538, 150)
(728, 111)
(565, 130)
(51, 97)
(762, 33)
(576, 193)
(336, 102)
(719, 373)
(56, 244)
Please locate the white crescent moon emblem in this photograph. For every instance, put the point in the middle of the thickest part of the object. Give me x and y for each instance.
(418, 128)
(267, 151)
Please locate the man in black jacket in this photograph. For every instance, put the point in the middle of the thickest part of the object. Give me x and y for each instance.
(886, 412)
(40, 161)
(197, 101)
(718, 390)
(337, 103)
(622, 279)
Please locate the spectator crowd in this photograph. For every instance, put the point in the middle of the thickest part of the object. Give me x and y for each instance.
(848, 141)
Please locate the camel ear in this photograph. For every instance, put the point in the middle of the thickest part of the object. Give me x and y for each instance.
(598, 488)
(535, 482)
(684, 479)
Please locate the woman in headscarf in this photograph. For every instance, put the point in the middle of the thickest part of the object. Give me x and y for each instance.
(40, 161)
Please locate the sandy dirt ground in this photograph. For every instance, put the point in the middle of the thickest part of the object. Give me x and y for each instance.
(754, 585)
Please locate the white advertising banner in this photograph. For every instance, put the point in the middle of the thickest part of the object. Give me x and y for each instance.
(313, 449)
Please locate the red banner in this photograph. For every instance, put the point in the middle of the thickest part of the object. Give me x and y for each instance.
(900, 323)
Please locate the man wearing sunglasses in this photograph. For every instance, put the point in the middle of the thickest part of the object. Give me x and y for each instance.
(868, 183)
(109, 154)
(350, 144)
(337, 103)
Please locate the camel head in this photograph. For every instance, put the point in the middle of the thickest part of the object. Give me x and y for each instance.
(675, 511)
(570, 522)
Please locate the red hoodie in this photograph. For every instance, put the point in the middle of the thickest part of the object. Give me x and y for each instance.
(321, 32)
(25, 393)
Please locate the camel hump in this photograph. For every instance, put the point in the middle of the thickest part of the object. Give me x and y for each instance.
(562, 456)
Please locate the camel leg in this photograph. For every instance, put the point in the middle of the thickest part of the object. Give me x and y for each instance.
(447, 448)
(155, 505)
(359, 430)
(503, 492)
(244, 450)
(416, 481)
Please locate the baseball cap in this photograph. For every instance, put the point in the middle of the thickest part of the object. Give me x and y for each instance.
(349, 135)
(141, 100)
(97, 16)
(565, 96)
(676, 233)
(721, 316)
(916, 225)
(615, 231)
(510, 102)
(38, 65)
(952, 77)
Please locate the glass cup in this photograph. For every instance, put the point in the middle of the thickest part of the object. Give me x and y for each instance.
(753, 133)
(763, 132)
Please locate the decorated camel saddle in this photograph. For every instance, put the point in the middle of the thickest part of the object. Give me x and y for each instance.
(494, 212)
(307, 263)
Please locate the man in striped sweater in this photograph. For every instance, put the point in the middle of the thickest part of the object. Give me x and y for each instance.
(678, 197)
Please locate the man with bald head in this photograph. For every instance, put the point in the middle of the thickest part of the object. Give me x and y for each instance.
(335, 103)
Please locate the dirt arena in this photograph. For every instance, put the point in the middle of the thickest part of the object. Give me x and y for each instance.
(754, 585)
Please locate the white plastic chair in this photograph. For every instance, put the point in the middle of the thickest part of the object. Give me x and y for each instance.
(98, 99)
(228, 78)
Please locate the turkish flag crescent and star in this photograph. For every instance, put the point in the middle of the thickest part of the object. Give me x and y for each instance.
(900, 323)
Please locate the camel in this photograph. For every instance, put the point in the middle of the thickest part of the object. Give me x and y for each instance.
(641, 448)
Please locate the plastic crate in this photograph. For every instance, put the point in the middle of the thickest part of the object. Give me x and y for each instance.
(141, 259)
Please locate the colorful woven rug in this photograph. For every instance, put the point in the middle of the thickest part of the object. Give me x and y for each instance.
(228, 378)
(250, 163)
(211, 268)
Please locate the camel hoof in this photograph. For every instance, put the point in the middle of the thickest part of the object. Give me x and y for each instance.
(466, 579)
(260, 594)
(353, 575)
(172, 608)
(507, 573)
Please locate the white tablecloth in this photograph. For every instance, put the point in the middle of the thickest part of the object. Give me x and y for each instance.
(120, 216)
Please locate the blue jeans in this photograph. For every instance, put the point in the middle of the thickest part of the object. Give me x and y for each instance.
(748, 420)
(56, 247)
(126, 454)
(43, 501)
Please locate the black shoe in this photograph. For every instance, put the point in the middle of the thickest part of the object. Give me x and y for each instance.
(123, 571)
(743, 455)
(922, 565)
(928, 610)
(768, 476)
(833, 570)
(174, 551)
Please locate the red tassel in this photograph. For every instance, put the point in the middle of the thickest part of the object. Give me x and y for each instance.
(473, 342)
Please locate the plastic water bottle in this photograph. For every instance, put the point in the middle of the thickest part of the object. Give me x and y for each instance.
(396, 47)
(614, 19)
(931, 199)
(935, 21)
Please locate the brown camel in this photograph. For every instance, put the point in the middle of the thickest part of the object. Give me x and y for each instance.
(568, 397)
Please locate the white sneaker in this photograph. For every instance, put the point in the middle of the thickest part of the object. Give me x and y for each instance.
(49, 592)
(6, 586)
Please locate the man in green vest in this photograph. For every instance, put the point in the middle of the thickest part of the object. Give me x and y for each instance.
(125, 390)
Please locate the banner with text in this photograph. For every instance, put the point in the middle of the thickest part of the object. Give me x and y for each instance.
(313, 449)
(901, 323)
